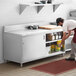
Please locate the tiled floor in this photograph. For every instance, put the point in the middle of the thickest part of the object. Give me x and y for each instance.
(13, 69)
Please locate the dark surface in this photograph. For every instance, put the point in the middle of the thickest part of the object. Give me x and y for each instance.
(56, 67)
(53, 23)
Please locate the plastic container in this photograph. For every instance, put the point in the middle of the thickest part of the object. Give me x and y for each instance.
(53, 37)
(58, 42)
(59, 35)
(57, 47)
(52, 48)
(48, 37)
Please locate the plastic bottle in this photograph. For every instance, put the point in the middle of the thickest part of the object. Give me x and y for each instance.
(59, 42)
(53, 37)
(57, 47)
(52, 48)
(59, 35)
(56, 36)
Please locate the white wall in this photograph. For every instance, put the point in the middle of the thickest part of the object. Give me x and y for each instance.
(9, 14)
(63, 10)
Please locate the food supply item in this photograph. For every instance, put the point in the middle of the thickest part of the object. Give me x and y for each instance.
(53, 37)
(63, 47)
(56, 36)
(48, 37)
(58, 42)
(52, 48)
(59, 35)
(57, 47)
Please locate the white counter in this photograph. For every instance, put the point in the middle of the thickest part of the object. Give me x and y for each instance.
(22, 45)
(25, 32)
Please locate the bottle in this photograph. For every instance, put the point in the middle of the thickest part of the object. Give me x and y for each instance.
(59, 35)
(53, 37)
(48, 37)
(56, 36)
(52, 48)
(57, 47)
(59, 42)
(63, 47)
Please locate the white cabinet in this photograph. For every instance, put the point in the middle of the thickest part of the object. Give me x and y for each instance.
(23, 46)
(12, 47)
(23, 49)
(33, 47)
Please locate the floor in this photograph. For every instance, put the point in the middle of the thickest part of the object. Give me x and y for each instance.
(13, 69)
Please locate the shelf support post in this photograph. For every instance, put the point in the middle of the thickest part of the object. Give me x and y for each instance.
(55, 7)
(21, 8)
(39, 8)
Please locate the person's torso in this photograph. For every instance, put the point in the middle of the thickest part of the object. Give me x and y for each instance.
(69, 25)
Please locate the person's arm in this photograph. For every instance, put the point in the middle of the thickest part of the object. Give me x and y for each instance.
(65, 36)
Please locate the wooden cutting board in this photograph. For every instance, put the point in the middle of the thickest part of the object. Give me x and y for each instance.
(50, 27)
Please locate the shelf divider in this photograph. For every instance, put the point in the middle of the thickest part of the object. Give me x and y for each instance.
(39, 8)
(52, 41)
(55, 7)
(21, 8)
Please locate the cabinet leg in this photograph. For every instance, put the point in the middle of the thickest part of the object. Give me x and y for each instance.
(21, 64)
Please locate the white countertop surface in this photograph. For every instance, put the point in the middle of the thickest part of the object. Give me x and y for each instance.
(25, 32)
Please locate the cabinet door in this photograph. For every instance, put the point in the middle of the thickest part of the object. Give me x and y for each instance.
(34, 47)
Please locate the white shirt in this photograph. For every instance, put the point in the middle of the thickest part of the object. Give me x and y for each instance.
(69, 25)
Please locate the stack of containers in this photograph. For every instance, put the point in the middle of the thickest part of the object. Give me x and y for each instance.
(57, 47)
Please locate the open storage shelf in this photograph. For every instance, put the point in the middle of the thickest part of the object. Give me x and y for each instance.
(68, 50)
(52, 41)
(55, 53)
(38, 6)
